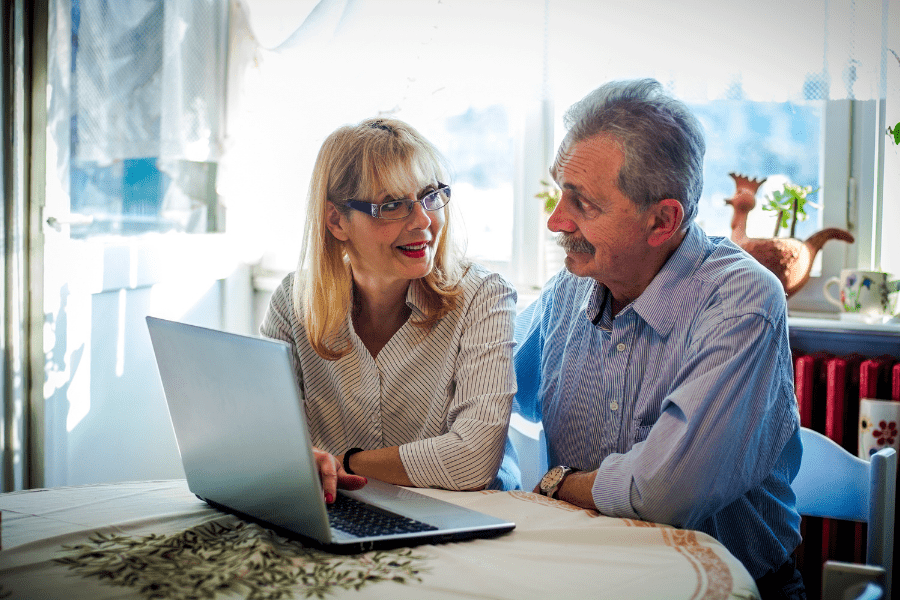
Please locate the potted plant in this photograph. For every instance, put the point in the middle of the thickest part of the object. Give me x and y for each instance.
(790, 200)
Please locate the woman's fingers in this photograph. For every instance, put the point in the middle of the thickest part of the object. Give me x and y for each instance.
(350, 482)
(328, 473)
(333, 476)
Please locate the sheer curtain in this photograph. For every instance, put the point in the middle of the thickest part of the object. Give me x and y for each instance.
(325, 63)
(136, 90)
(148, 77)
(766, 50)
(461, 72)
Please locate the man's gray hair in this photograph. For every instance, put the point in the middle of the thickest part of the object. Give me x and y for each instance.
(662, 141)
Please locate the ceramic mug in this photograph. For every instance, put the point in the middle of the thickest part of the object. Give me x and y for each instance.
(868, 293)
(878, 426)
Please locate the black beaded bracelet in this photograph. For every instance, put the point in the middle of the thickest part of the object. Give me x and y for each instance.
(347, 456)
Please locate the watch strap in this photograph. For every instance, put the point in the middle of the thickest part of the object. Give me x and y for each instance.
(347, 456)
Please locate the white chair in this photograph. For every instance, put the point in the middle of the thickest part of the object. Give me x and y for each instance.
(872, 591)
(833, 483)
(531, 448)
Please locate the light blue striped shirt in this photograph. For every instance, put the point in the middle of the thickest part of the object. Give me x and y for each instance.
(684, 402)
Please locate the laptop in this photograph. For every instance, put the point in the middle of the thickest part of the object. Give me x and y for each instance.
(241, 430)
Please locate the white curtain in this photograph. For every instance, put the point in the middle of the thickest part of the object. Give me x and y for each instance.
(148, 78)
(315, 64)
(764, 50)
(145, 82)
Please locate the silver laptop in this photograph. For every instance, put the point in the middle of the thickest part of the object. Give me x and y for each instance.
(241, 430)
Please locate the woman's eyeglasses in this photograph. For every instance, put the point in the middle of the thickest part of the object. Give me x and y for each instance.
(400, 209)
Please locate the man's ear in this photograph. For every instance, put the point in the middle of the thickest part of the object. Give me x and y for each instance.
(336, 222)
(666, 217)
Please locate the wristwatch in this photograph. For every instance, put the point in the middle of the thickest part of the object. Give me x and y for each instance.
(553, 478)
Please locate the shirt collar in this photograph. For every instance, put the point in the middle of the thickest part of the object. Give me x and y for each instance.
(673, 282)
(415, 298)
(668, 287)
(596, 307)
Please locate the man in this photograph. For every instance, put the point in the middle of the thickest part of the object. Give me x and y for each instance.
(658, 360)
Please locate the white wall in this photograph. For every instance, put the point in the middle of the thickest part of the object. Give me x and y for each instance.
(105, 414)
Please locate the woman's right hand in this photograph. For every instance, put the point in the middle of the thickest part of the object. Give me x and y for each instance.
(333, 476)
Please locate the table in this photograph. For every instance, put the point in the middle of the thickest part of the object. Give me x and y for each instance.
(154, 539)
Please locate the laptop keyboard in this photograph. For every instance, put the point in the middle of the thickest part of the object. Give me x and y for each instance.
(364, 520)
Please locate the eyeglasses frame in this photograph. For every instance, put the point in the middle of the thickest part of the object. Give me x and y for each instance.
(373, 209)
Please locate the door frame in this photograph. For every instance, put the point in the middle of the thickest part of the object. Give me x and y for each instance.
(23, 103)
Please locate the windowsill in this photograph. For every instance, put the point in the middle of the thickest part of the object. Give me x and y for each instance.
(108, 264)
(827, 332)
(833, 322)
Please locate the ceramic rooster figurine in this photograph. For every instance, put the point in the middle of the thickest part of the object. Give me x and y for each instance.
(789, 258)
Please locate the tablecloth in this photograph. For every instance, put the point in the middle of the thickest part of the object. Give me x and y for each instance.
(142, 540)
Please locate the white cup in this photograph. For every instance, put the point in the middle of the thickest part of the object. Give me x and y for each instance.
(871, 294)
(879, 421)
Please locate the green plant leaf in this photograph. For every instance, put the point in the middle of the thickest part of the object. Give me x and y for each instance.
(550, 195)
(895, 133)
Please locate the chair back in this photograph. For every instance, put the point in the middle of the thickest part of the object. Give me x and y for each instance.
(531, 448)
(835, 484)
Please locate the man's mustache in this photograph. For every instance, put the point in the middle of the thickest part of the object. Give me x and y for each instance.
(570, 243)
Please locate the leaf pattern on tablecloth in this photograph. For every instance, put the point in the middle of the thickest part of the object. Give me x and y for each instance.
(232, 557)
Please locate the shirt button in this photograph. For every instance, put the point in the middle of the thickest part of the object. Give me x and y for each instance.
(620, 347)
(613, 405)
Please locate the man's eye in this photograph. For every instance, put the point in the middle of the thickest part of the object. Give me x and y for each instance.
(580, 203)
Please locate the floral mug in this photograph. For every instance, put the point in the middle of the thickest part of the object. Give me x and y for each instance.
(868, 293)
(878, 426)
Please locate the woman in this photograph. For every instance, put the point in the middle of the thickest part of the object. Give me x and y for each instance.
(403, 350)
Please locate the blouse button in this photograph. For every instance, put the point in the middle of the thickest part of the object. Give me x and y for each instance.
(620, 347)
(613, 405)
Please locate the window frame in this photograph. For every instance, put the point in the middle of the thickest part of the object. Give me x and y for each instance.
(850, 174)
(851, 168)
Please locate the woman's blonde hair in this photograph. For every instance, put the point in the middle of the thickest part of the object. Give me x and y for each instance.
(376, 156)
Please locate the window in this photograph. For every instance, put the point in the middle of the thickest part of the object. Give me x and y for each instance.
(437, 68)
(136, 105)
(488, 84)
(778, 141)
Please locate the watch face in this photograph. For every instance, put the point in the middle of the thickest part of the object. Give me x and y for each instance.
(551, 478)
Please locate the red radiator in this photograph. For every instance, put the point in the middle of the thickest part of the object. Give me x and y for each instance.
(828, 390)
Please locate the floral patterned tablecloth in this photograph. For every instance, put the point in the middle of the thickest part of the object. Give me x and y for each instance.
(154, 539)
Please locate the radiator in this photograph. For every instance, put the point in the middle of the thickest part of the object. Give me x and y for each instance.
(828, 389)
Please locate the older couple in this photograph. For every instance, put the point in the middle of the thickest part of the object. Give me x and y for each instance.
(657, 360)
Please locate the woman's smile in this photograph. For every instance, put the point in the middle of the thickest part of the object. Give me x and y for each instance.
(414, 250)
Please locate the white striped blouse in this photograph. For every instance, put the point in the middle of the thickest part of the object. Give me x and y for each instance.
(444, 398)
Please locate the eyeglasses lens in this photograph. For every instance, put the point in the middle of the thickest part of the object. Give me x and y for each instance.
(400, 209)
(436, 199)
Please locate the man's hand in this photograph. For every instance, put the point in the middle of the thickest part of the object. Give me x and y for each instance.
(576, 489)
(333, 476)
